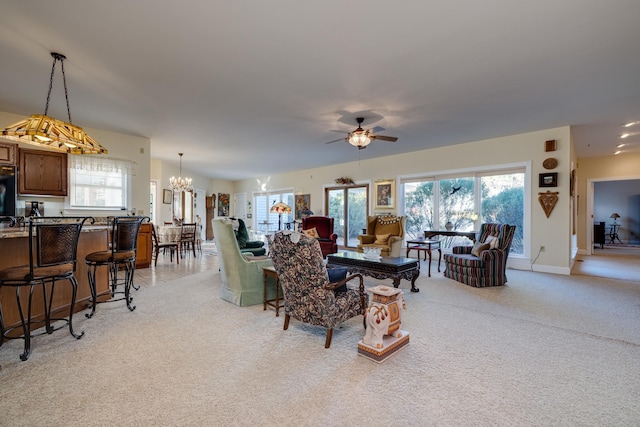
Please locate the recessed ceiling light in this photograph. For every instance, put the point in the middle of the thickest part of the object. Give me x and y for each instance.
(624, 135)
(630, 124)
(620, 145)
(617, 152)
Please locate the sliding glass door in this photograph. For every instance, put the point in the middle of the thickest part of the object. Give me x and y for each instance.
(349, 206)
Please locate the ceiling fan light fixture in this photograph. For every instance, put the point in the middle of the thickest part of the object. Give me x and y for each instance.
(359, 138)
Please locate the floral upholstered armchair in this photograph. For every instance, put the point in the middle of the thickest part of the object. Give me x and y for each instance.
(309, 296)
(385, 232)
(483, 264)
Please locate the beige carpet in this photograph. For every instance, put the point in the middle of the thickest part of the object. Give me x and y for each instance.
(615, 263)
(543, 350)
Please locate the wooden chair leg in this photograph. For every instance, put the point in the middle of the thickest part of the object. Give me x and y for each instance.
(286, 321)
(327, 342)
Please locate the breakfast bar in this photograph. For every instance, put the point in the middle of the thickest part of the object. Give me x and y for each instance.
(14, 251)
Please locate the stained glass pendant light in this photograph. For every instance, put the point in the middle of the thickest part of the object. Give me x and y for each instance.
(45, 131)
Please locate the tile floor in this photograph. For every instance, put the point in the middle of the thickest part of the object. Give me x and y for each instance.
(166, 270)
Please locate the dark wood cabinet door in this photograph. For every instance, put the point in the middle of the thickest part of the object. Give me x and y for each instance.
(42, 173)
(144, 249)
(8, 153)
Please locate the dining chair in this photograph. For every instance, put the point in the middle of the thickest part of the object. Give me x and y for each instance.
(187, 238)
(163, 246)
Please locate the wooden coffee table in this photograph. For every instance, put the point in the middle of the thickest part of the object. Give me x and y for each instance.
(382, 268)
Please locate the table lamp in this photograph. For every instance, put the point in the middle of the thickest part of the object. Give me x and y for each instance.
(280, 208)
(615, 217)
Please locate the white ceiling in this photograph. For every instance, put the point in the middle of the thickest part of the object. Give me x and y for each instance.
(248, 88)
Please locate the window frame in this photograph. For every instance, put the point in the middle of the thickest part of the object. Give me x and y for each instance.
(477, 174)
(100, 165)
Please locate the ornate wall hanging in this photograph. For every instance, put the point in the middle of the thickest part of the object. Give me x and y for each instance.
(548, 201)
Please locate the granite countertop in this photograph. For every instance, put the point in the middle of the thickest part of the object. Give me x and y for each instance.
(9, 233)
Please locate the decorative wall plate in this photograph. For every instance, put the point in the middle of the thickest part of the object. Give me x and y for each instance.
(548, 201)
(550, 163)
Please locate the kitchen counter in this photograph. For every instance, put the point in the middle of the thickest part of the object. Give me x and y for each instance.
(14, 251)
(17, 231)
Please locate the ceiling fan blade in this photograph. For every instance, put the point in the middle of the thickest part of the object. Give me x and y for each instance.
(335, 140)
(384, 138)
(377, 129)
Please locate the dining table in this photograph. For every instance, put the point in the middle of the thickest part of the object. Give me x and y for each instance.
(169, 233)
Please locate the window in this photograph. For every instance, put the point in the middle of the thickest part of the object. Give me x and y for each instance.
(462, 203)
(266, 221)
(98, 183)
(503, 202)
(349, 208)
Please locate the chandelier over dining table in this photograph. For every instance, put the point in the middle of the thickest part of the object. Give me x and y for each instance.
(180, 184)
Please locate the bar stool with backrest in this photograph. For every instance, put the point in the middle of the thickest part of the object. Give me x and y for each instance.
(52, 259)
(120, 256)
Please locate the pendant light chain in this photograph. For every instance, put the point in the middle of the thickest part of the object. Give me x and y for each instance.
(44, 131)
(58, 57)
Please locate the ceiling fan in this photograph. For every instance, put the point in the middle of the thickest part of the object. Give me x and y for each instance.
(360, 138)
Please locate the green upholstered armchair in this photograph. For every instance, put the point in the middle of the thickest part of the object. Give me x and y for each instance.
(242, 282)
(254, 247)
(485, 263)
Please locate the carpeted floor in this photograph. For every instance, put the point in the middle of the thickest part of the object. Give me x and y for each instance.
(543, 350)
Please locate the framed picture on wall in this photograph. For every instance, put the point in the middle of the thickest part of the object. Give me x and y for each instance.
(223, 204)
(166, 197)
(549, 179)
(302, 202)
(385, 194)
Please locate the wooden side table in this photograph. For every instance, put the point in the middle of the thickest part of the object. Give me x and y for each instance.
(274, 302)
(425, 245)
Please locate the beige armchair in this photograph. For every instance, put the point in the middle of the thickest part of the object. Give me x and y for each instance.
(385, 232)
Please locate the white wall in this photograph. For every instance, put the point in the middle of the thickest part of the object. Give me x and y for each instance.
(162, 171)
(554, 232)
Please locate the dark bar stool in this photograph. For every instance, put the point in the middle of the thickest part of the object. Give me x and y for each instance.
(56, 244)
(120, 256)
(12, 222)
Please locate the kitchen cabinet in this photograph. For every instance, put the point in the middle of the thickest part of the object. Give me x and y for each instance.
(8, 153)
(42, 173)
(145, 246)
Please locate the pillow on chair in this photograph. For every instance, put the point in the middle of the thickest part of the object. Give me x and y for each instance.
(492, 241)
(478, 247)
(382, 239)
(337, 274)
(312, 232)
